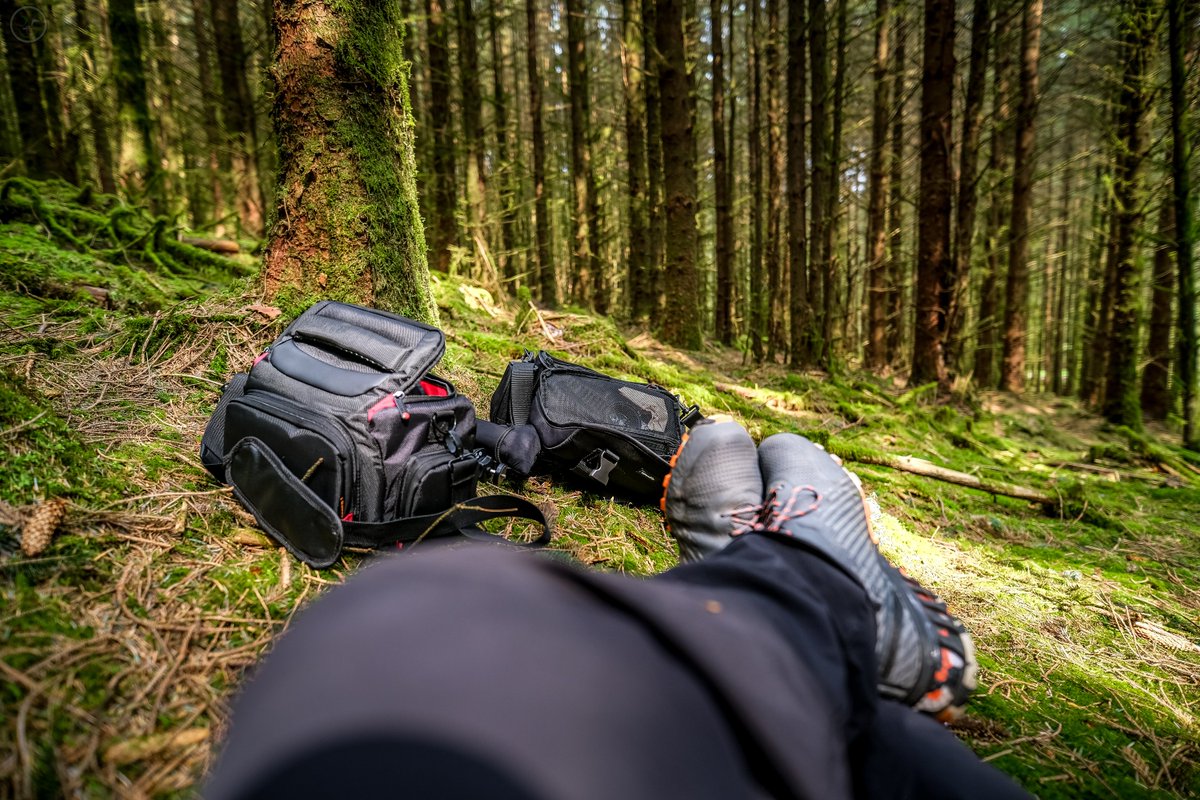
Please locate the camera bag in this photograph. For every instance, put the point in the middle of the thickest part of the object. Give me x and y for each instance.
(612, 434)
(339, 435)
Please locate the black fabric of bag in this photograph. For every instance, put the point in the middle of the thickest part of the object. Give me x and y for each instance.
(340, 436)
(612, 434)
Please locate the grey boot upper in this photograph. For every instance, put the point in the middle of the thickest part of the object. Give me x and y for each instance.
(714, 489)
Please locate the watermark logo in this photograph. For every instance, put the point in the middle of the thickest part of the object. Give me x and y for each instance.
(28, 24)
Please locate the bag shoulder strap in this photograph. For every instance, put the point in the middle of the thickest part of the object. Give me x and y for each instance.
(461, 518)
(521, 384)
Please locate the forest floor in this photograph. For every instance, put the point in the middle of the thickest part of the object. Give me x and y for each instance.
(121, 643)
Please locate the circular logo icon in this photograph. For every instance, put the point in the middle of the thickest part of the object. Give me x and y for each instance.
(28, 24)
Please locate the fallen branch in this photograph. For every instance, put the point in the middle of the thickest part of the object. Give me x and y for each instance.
(927, 469)
(223, 246)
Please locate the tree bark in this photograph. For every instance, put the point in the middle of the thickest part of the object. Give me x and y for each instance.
(547, 282)
(37, 146)
(987, 347)
(877, 188)
(1185, 225)
(723, 326)
(803, 331)
(348, 226)
(640, 277)
(833, 320)
(1156, 398)
(237, 108)
(656, 211)
(895, 304)
(217, 160)
(681, 320)
(473, 133)
(130, 79)
(757, 299)
(1062, 275)
(444, 228)
(586, 275)
(933, 205)
(503, 170)
(1016, 293)
(964, 212)
(1121, 400)
(97, 116)
(820, 275)
(776, 294)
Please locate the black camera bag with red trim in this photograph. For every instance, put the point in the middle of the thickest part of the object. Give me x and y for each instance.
(339, 435)
(610, 434)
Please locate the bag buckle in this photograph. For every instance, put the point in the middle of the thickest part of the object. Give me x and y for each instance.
(597, 465)
(691, 416)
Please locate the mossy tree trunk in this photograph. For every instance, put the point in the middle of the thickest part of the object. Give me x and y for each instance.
(37, 145)
(776, 292)
(895, 277)
(130, 78)
(757, 298)
(237, 108)
(347, 224)
(1122, 404)
(1156, 398)
(681, 320)
(721, 185)
(443, 227)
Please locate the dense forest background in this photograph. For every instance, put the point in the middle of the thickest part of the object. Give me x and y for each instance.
(990, 192)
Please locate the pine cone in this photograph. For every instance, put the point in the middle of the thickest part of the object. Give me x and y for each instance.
(40, 526)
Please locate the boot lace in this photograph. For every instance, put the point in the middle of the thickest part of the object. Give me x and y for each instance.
(778, 509)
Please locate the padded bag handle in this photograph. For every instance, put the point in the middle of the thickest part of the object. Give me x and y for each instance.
(292, 514)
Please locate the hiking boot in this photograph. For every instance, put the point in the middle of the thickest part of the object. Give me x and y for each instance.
(926, 658)
(713, 491)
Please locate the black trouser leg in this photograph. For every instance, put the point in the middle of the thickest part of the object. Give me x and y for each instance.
(825, 615)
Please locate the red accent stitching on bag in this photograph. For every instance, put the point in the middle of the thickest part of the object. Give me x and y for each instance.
(260, 357)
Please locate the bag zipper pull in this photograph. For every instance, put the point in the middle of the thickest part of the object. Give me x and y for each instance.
(404, 415)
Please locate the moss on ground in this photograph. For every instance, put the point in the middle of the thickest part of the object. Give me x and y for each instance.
(158, 593)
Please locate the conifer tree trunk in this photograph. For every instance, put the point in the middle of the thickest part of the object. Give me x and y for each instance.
(473, 133)
(217, 159)
(641, 281)
(681, 318)
(97, 116)
(964, 211)
(757, 298)
(1016, 295)
(37, 146)
(724, 214)
(443, 228)
(895, 305)
(51, 67)
(820, 275)
(803, 331)
(237, 108)
(503, 169)
(587, 279)
(344, 126)
(877, 187)
(777, 307)
(130, 77)
(834, 320)
(933, 208)
(1121, 400)
(1156, 399)
(987, 347)
(1185, 224)
(1062, 275)
(656, 211)
(547, 282)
